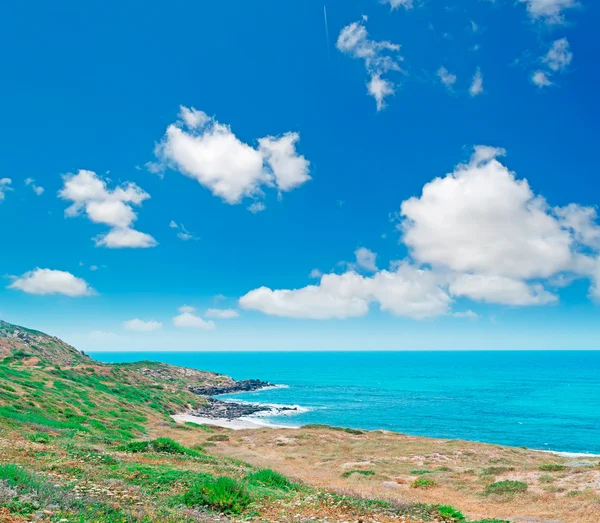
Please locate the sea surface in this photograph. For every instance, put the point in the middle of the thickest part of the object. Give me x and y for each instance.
(541, 400)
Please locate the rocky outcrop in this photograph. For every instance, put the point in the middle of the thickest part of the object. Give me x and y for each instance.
(231, 388)
(219, 409)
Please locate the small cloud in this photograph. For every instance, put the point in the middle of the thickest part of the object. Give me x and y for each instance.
(395, 4)
(36, 188)
(183, 233)
(477, 84)
(446, 77)
(48, 281)
(189, 320)
(4, 187)
(93, 267)
(315, 274)
(138, 325)
(222, 314)
(257, 207)
(365, 259)
(173, 225)
(219, 297)
(466, 314)
(559, 56)
(540, 79)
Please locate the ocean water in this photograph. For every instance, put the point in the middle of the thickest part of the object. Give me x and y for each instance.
(547, 400)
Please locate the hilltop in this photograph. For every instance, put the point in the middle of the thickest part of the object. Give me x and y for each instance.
(83, 441)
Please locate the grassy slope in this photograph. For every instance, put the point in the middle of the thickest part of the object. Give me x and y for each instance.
(78, 443)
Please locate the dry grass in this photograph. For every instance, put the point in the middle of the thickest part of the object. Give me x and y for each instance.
(462, 470)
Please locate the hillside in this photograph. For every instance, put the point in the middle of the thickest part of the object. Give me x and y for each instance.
(82, 441)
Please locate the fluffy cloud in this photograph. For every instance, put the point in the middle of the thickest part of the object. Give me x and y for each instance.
(559, 56)
(550, 11)
(540, 78)
(499, 289)
(257, 207)
(446, 77)
(379, 58)
(476, 87)
(47, 281)
(35, 188)
(222, 314)
(366, 259)
(4, 186)
(188, 319)
(207, 151)
(90, 195)
(395, 4)
(138, 325)
(407, 291)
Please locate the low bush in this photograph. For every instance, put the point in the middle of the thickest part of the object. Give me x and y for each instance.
(39, 437)
(349, 473)
(506, 487)
(450, 514)
(160, 445)
(420, 472)
(270, 478)
(222, 494)
(552, 467)
(424, 483)
(219, 437)
(495, 471)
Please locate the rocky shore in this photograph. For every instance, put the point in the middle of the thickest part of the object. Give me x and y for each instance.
(231, 410)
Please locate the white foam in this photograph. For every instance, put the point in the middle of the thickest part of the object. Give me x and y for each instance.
(570, 454)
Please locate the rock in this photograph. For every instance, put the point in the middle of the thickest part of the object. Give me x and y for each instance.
(230, 388)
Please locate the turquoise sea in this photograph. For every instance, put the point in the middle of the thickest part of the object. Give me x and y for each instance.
(547, 400)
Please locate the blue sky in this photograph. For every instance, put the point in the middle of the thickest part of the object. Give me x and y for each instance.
(172, 175)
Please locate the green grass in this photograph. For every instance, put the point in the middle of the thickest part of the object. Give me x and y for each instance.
(450, 514)
(270, 478)
(349, 473)
(495, 471)
(160, 445)
(222, 494)
(506, 487)
(421, 472)
(424, 483)
(552, 467)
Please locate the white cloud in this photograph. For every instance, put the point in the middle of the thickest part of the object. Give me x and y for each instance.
(366, 259)
(446, 77)
(138, 325)
(257, 207)
(499, 289)
(187, 308)
(193, 118)
(123, 238)
(36, 188)
(47, 281)
(405, 292)
(469, 314)
(551, 11)
(183, 233)
(541, 79)
(4, 186)
(559, 56)
(379, 58)
(476, 84)
(222, 314)
(395, 4)
(315, 274)
(207, 151)
(189, 320)
(595, 287)
(90, 195)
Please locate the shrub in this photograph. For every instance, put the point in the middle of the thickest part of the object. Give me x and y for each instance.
(506, 487)
(349, 473)
(424, 483)
(494, 471)
(420, 472)
(222, 494)
(450, 514)
(162, 445)
(39, 437)
(270, 478)
(219, 437)
(552, 467)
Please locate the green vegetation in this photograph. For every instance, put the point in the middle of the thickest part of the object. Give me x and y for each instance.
(360, 472)
(222, 494)
(450, 514)
(424, 483)
(219, 437)
(331, 427)
(552, 467)
(421, 472)
(270, 478)
(506, 487)
(495, 471)
(160, 445)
